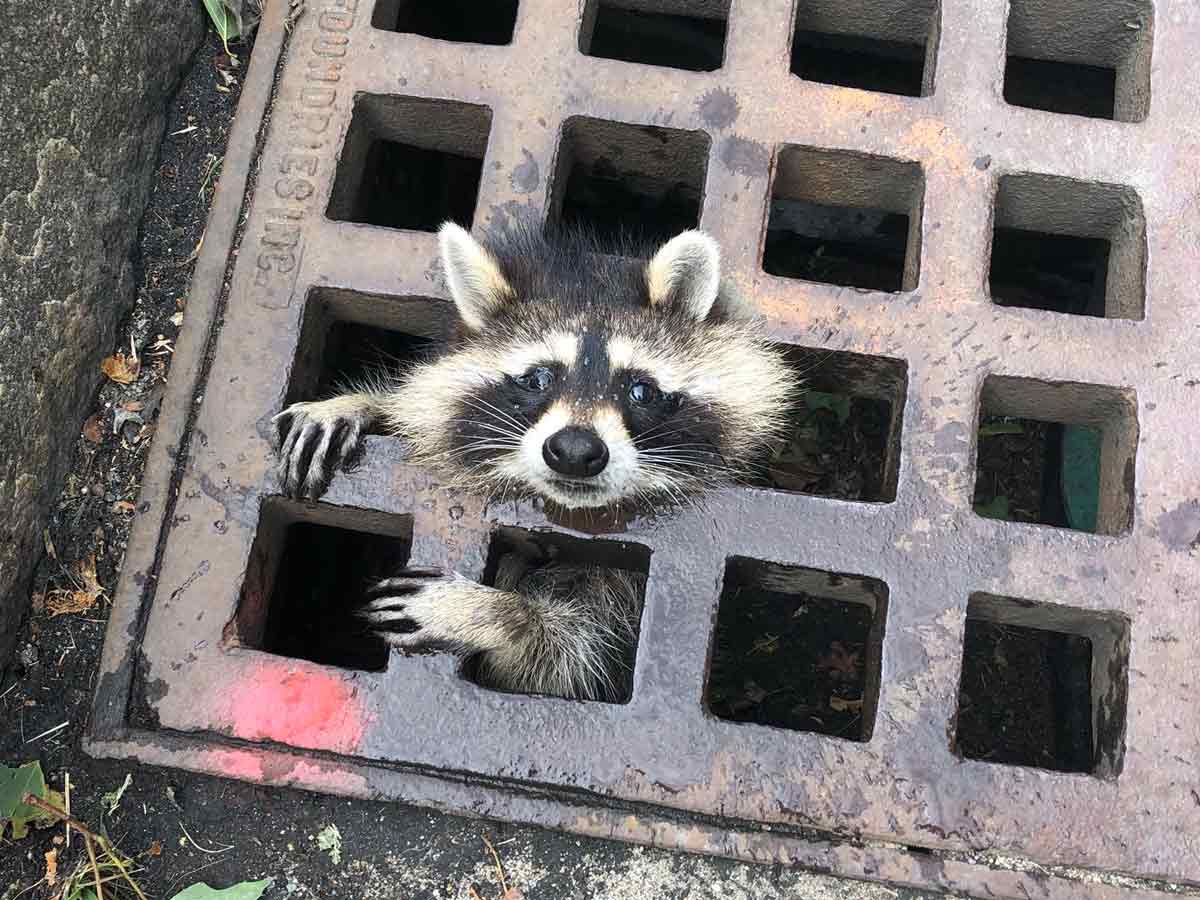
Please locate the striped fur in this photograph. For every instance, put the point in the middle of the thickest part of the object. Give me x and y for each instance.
(658, 361)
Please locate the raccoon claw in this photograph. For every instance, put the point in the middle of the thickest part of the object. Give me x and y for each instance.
(402, 609)
(313, 441)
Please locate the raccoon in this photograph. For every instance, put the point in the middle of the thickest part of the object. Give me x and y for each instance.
(579, 373)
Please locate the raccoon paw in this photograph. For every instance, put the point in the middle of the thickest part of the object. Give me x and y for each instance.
(313, 440)
(425, 607)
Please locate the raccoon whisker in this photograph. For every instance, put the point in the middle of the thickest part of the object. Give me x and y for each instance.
(685, 457)
(664, 481)
(694, 445)
(800, 373)
(485, 443)
(507, 432)
(509, 441)
(686, 493)
(688, 460)
(667, 428)
(487, 408)
(467, 453)
(689, 472)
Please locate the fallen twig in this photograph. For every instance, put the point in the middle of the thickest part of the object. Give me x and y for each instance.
(499, 868)
(48, 732)
(91, 852)
(192, 841)
(91, 840)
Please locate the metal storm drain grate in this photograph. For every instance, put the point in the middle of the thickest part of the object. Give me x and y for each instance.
(958, 613)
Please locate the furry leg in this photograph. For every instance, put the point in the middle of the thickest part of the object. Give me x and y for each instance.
(314, 439)
(563, 630)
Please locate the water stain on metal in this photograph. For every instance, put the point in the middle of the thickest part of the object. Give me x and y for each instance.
(745, 157)
(1180, 527)
(526, 176)
(718, 108)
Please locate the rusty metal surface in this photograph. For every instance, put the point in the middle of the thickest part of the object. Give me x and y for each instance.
(182, 685)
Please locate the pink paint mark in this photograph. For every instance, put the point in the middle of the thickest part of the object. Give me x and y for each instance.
(244, 765)
(285, 770)
(298, 707)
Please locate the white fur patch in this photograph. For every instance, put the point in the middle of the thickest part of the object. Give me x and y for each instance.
(476, 283)
(453, 609)
(622, 469)
(686, 271)
(633, 353)
(556, 347)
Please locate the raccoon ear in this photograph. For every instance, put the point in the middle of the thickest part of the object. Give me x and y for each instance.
(476, 283)
(686, 271)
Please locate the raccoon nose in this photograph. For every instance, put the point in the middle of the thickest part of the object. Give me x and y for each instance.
(574, 451)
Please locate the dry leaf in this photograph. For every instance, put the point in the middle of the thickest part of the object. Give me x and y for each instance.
(38, 602)
(177, 319)
(120, 368)
(155, 849)
(51, 868)
(64, 603)
(837, 704)
(92, 430)
(513, 894)
(133, 406)
(124, 506)
(84, 597)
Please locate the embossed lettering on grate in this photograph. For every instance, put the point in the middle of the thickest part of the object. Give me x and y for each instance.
(973, 223)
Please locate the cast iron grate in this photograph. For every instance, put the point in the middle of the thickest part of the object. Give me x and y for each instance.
(1043, 686)
(449, 20)
(889, 46)
(845, 219)
(1080, 58)
(987, 301)
(646, 183)
(688, 36)
(1070, 247)
(797, 648)
(410, 163)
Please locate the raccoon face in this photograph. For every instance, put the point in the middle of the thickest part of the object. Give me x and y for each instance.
(590, 379)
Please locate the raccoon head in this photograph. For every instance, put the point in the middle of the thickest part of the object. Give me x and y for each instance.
(589, 378)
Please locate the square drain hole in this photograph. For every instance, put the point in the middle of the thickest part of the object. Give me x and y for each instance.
(888, 46)
(520, 560)
(1058, 454)
(1043, 686)
(658, 33)
(1068, 246)
(466, 21)
(347, 336)
(844, 433)
(410, 163)
(1080, 57)
(797, 648)
(640, 181)
(310, 568)
(845, 219)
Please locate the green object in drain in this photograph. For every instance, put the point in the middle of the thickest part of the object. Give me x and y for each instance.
(1081, 476)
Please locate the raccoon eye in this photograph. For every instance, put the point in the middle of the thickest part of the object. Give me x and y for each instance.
(536, 379)
(644, 392)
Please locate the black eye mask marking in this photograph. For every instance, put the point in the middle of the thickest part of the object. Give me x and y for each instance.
(538, 379)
